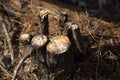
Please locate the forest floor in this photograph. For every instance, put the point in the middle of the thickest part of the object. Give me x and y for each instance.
(100, 32)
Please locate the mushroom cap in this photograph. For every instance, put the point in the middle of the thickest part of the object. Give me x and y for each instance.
(58, 44)
(25, 37)
(38, 41)
(74, 26)
(43, 13)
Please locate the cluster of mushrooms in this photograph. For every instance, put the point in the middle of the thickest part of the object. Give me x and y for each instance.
(56, 45)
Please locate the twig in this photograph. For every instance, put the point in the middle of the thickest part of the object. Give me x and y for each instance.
(8, 40)
(75, 74)
(55, 75)
(5, 71)
(98, 59)
(10, 12)
(110, 36)
(28, 54)
(35, 76)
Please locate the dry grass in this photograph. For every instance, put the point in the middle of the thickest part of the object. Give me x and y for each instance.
(101, 40)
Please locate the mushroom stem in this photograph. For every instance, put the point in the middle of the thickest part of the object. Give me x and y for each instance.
(63, 17)
(77, 38)
(60, 65)
(44, 22)
(74, 34)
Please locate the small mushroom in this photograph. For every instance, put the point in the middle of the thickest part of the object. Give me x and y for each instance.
(38, 40)
(24, 37)
(58, 44)
(74, 26)
(43, 13)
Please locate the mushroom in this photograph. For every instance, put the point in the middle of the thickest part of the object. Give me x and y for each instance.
(58, 44)
(25, 37)
(36, 42)
(59, 55)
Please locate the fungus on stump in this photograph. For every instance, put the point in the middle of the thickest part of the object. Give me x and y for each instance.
(60, 60)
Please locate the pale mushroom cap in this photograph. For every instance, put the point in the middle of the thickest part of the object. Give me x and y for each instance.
(38, 40)
(24, 37)
(58, 44)
(44, 12)
(74, 27)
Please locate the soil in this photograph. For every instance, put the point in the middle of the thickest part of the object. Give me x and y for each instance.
(100, 32)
